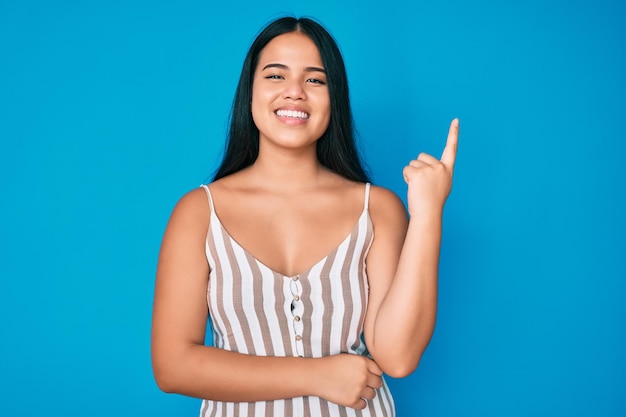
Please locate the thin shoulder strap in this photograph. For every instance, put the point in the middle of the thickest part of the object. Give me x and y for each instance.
(367, 196)
(208, 193)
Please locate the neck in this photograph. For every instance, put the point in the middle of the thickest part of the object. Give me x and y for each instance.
(287, 170)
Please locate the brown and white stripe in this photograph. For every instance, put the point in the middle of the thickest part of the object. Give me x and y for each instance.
(320, 312)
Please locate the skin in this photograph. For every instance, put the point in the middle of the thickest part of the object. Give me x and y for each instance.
(289, 212)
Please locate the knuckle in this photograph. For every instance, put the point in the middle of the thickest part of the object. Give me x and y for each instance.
(362, 381)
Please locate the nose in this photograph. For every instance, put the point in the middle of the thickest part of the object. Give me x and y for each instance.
(294, 90)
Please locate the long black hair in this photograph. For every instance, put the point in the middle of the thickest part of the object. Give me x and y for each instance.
(336, 149)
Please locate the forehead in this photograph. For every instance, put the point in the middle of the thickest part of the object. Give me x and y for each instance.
(291, 49)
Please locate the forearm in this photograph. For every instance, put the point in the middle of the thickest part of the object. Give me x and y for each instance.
(406, 318)
(213, 373)
(401, 320)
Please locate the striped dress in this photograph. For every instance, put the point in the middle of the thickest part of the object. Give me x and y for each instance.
(319, 312)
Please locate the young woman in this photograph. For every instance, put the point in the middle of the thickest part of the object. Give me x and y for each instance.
(315, 282)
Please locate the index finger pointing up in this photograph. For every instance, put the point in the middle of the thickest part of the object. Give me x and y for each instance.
(449, 153)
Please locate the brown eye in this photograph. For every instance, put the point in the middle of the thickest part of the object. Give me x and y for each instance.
(316, 81)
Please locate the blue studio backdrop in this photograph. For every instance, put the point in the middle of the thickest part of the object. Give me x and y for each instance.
(112, 110)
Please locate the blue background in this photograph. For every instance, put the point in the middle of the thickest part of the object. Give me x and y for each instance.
(111, 110)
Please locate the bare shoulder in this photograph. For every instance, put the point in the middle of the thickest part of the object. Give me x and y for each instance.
(192, 210)
(182, 253)
(386, 208)
(195, 200)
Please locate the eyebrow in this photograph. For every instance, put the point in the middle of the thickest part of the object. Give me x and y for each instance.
(283, 66)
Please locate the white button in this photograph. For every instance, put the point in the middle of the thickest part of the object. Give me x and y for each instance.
(298, 337)
(297, 318)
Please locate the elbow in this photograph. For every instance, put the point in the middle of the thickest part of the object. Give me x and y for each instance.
(174, 370)
(164, 380)
(401, 368)
(400, 363)
(168, 368)
(167, 374)
(400, 360)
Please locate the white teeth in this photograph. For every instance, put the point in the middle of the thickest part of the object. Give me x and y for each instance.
(292, 113)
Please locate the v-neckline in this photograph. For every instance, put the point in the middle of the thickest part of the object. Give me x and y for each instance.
(215, 217)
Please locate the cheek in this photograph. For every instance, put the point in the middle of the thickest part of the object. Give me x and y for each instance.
(327, 107)
(256, 115)
(256, 105)
(261, 97)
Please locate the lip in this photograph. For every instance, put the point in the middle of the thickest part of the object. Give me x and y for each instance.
(289, 119)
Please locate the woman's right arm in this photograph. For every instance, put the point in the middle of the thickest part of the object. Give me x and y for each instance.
(183, 364)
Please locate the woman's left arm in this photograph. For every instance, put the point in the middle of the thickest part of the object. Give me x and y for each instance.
(402, 265)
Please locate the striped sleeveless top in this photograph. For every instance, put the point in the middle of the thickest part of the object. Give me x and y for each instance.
(319, 312)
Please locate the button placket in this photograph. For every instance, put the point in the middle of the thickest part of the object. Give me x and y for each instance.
(297, 308)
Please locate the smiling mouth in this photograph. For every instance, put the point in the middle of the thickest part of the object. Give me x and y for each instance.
(292, 114)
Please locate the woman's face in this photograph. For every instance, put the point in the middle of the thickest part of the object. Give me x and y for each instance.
(290, 101)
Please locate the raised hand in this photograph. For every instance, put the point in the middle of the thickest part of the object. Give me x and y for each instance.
(430, 179)
(348, 380)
